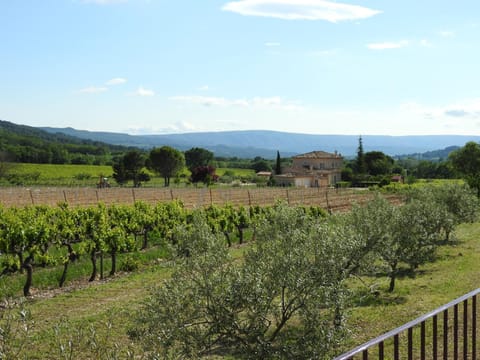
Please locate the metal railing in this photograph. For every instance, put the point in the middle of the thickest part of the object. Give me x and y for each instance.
(449, 332)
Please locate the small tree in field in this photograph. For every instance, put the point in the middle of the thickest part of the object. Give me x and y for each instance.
(204, 174)
(196, 157)
(167, 162)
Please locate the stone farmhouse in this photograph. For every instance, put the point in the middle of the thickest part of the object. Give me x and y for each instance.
(313, 169)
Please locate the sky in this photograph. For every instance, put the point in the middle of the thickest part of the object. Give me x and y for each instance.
(356, 67)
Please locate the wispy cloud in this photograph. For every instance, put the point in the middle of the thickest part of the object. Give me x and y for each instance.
(272, 44)
(466, 109)
(103, 2)
(447, 34)
(178, 127)
(209, 100)
(203, 88)
(321, 53)
(256, 102)
(141, 91)
(116, 81)
(456, 113)
(425, 43)
(93, 90)
(388, 45)
(300, 10)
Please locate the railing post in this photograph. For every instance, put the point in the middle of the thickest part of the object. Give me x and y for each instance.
(465, 330)
(474, 327)
(460, 326)
(435, 335)
(445, 335)
(455, 332)
(422, 341)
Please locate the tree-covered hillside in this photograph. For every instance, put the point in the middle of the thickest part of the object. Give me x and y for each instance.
(19, 143)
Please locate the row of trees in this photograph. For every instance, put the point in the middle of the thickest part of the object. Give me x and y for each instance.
(375, 167)
(166, 162)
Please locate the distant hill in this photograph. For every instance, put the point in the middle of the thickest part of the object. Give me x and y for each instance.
(20, 143)
(436, 155)
(264, 143)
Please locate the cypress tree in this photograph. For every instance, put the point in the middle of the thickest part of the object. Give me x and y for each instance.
(278, 166)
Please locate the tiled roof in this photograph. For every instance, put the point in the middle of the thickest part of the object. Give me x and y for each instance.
(317, 155)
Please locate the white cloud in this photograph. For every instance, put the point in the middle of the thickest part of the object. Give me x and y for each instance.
(209, 100)
(300, 9)
(93, 90)
(447, 34)
(203, 88)
(388, 45)
(116, 81)
(141, 91)
(178, 127)
(103, 2)
(425, 43)
(256, 102)
(272, 44)
(322, 53)
(466, 109)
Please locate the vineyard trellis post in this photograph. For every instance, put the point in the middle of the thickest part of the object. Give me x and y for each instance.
(31, 197)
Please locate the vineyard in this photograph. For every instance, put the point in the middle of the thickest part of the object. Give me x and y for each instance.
(296, 268)
(327, 198)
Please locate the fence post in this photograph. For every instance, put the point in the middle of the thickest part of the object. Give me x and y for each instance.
(31, 197)
(133, 195)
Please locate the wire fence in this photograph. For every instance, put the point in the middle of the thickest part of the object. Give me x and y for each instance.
(331, 199)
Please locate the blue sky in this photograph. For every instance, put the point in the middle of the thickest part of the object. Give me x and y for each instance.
(356, 67)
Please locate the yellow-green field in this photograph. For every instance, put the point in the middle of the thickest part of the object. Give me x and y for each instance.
(88, 175)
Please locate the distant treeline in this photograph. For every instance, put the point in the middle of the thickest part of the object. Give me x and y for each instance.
(26, 144)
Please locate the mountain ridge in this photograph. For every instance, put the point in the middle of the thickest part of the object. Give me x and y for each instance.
(265, 143)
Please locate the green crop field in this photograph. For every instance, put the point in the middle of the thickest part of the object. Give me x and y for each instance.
(88, 175)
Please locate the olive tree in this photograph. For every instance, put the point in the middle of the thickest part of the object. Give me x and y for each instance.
(284, 300)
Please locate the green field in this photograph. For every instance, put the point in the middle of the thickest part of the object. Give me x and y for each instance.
(88, 175)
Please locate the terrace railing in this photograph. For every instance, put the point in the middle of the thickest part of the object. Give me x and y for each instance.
(449, 332)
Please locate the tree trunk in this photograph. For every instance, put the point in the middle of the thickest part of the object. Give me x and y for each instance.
(64, 274)
(393, 276)
(101, 266)
(145, 240)
(392, 282)
(72, 256)
(28, 283)
(114, 262)
(93, 258)
(240, 235)
(227, 236)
